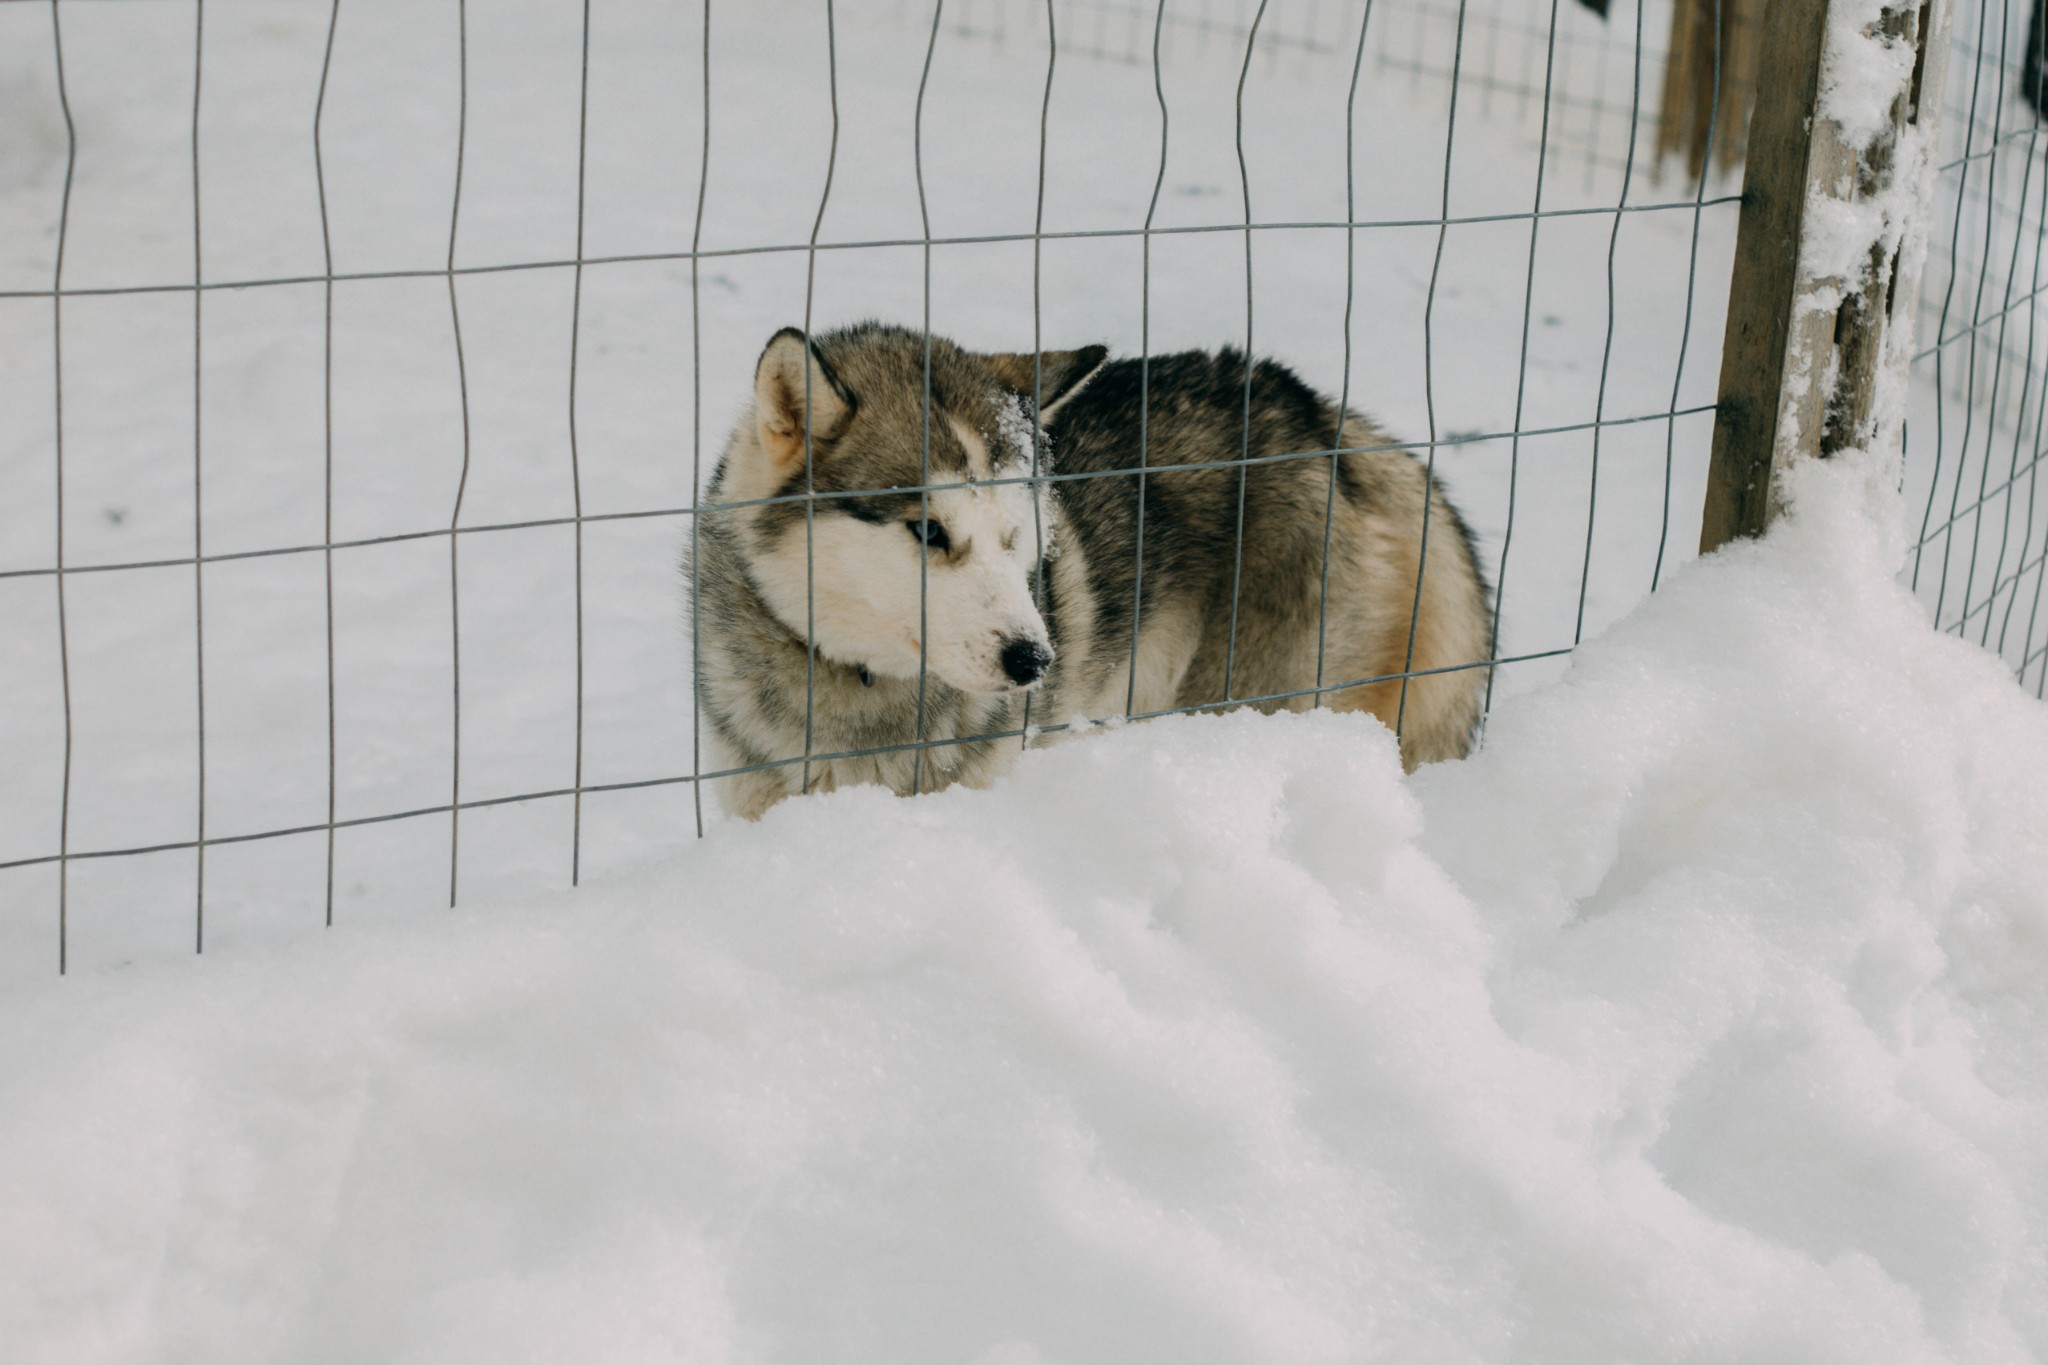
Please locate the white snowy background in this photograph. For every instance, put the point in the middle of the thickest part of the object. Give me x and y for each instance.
(1699, 1016)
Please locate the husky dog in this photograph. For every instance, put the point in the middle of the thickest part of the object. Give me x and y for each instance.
(933, 618)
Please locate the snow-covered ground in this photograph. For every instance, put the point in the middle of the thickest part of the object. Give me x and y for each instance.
(388, 142)
(1702, 1016)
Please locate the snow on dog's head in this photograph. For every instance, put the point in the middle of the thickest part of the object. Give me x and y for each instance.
(880, 574)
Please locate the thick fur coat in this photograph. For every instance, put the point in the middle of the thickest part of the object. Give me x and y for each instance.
(1274, 573)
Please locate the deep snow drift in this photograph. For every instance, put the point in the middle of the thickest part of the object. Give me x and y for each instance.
(1702, 1016)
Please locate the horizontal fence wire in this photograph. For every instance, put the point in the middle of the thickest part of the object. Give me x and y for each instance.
(840, 495)
(1586, 91)
(1139, 34)
(771, 765)
(876, 244)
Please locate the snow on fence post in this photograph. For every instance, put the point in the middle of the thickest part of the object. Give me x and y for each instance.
(1828, 253)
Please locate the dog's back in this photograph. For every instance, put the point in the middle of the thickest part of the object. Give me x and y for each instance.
(1260, 583)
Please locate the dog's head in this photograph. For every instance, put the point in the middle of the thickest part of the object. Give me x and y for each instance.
(877, 573)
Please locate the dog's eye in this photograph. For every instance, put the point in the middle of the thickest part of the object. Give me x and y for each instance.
(931, 533)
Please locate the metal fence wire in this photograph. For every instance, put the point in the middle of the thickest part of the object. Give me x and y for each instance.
(360, 376)
(1974, 440)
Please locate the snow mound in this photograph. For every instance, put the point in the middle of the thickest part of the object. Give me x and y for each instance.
(1702, 1016)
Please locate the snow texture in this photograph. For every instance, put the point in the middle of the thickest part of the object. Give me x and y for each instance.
(1702, 1016)
(1016, 433)
(1863, 70)
(1865, 75)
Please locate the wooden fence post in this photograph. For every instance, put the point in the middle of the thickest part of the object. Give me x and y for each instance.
(1814, 339)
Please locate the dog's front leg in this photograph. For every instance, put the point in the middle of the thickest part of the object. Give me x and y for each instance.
(747, 794)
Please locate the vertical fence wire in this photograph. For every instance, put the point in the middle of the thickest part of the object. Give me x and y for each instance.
(697, 433)
(1429, 371)
(1344, 389)
(1507, 540)
(1692, 273)
(462, 481)
(1145, 366)
(1971, 344)
(1244, 182)
(198, 495)
(57, 443)
(575, 462)
(2026, 387)
(1628, 167)
(2033, 479)
(924, 464)
(2027, 654)
(2037, 34)
(1999, 354)
(1052, 61)
(810, 464)
(1972, 354)
(2005, 315)
(327, 431)
(1941, 318)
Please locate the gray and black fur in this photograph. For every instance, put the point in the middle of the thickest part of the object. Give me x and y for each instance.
(1062, 633)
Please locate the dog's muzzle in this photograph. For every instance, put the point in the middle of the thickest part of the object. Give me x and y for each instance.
(1025, 660)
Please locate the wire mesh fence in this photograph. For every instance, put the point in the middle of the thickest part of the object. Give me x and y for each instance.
(1974, 442)
(1501, 52)
(1605, 73)
(367, 365)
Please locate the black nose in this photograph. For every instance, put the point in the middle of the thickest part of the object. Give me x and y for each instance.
(1025, 661)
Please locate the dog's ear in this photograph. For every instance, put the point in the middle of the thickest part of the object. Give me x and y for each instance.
(1058, 375)
(788, 364)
